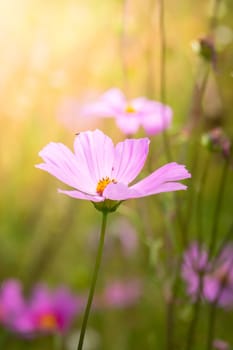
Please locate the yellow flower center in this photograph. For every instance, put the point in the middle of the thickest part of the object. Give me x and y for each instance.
(130, 109)
(103, 183)
(48, 322)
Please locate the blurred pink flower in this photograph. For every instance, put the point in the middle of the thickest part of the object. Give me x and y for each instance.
(99, 171)
(195, 265)
(48, 311)
(11, 302)
(211, 279)
(153, 116)
(219, 281)
(221, 345)
(121, 294)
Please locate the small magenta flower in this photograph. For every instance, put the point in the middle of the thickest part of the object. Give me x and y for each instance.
(219, 281)
(195, 265)
(100, 172)
(11, 302)
(153, 116)
(48, 312)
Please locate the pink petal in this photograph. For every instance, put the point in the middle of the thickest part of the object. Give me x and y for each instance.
(109, 104)
(119, 192)
(130, 156)
(128, 123)
(81, 195)
(156, 118)
(94, 152)
(62, 163)
(114, 98)
(159, 181)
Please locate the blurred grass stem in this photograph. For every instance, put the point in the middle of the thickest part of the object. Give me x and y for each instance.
(124, 45)
(93, 282)
(218, 205)
(200, 198)
(162, 35)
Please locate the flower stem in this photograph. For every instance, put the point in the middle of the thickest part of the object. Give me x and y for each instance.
(162, 83)
(218, 206)
(93, 282)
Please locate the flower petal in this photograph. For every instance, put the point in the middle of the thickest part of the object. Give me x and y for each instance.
(128, 123)
(94, 152)
(114, 98)
(162, 180)
(109, 104)
(130, 156)
(119, 192)
(62, 163)
(156, 117)
(81, 195)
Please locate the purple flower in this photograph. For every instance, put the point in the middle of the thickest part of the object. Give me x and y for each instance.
(48, 312)
(98, 171)
(11, 302)
(153, 116)
(122, 294)
(195, 265)
(219, 281)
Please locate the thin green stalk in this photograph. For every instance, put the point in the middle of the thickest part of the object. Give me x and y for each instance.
(200, 195)
(162, 36)
(195, 316)
(211, 328)
(214, 19)
(123, 45)
(93, 282)
(218, 206)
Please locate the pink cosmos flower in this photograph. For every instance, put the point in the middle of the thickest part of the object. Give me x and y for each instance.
(153, 116)
(11, 302)
(195, 265)
(48, 312)
(100, 172)
(219, 282)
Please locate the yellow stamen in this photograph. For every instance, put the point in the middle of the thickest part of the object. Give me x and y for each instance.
(103, 183)
(130, 109)
(48, 322)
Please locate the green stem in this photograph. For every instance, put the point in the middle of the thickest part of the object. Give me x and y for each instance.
(93, 282)
(123, 46)
(162, 35)
(195, 317)
(200, 199)
(218, 207)
(210, 333)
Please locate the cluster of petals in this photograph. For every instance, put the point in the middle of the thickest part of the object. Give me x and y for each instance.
(98, 170)
(44, 311)
(130, 115)
(211, 279)
(48, 311)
